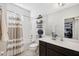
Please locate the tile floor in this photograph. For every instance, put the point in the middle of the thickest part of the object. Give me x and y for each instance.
(29, 52)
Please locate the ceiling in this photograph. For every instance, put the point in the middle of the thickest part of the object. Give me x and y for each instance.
(43, 8)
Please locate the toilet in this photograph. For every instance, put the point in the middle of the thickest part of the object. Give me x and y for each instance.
(33, 47)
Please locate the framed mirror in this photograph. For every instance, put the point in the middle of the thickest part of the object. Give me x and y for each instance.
(71, 28)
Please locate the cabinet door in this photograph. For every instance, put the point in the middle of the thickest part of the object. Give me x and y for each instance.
(52, 53)
(42, 50)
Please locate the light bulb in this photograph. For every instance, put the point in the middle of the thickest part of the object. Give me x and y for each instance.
(61, 4)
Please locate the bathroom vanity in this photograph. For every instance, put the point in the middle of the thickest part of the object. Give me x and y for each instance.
(49, 47)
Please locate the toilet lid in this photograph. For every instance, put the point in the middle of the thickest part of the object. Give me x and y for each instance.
(34, 45)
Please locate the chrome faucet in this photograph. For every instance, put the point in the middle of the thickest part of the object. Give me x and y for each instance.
(54, 36)
(61, 39)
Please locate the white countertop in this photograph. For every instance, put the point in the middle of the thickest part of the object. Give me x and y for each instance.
(70, 44)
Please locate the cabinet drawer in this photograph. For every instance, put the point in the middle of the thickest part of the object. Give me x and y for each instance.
(63, 51)
(53, 53)
(42, 43)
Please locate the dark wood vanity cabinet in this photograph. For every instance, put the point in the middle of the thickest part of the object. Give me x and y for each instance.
(47, 49)
(42, 48)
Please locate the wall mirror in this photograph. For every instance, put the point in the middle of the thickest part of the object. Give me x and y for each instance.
(71, 28)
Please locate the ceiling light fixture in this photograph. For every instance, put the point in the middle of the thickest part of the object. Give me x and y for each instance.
(61, 4)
